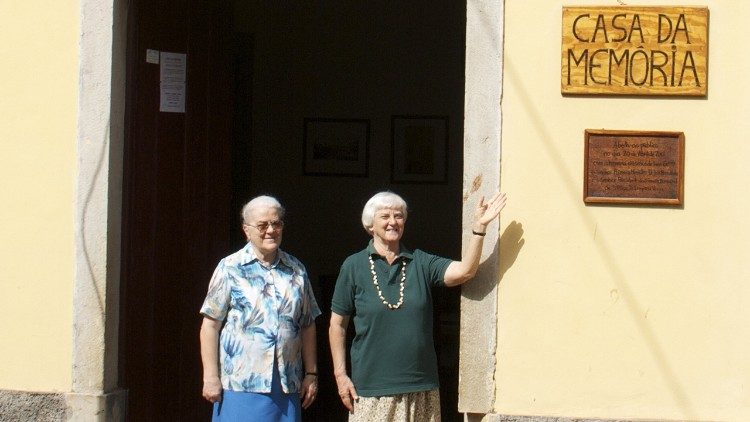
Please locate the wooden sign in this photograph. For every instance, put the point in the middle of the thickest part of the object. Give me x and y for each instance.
(624, 50)
(633, 167)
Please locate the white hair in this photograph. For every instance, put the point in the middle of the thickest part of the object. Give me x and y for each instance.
(380, 201)
(263, 201)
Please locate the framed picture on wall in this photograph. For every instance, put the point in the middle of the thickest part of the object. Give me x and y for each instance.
(336, 147)
(420, 149)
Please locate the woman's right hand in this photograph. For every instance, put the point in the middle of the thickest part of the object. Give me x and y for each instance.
(347, 392)
(212, 389)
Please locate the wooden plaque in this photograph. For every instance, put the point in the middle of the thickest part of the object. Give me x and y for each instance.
(631, 50)
(633, 167)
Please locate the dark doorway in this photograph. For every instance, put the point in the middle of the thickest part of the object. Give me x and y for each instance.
(256, 71)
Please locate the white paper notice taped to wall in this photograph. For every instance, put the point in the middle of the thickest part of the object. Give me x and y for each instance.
(172, 77)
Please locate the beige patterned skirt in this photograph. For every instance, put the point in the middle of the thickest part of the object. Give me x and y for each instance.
(422, 406)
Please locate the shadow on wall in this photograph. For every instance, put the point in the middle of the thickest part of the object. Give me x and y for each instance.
(511, 242)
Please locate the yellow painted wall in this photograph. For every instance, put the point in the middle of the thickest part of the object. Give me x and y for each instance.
(38, 105)
(624, 311)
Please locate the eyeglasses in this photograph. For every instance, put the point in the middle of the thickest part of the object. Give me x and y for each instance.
(264, 225)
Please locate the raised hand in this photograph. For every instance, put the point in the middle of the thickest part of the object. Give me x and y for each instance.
(488, 211)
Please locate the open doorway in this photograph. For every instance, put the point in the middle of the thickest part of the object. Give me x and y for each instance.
(257, 72)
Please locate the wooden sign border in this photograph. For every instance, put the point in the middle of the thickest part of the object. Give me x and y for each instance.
(678, 137)
(625, 50)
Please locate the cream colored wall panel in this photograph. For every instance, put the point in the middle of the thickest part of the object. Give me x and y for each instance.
(38, 91)
(623, 311)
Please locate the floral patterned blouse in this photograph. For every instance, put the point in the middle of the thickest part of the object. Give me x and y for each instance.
(265, 310)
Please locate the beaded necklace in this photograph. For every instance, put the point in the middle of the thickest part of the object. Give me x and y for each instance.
(401, 285)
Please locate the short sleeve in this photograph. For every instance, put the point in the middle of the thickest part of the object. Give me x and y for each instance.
(342, 301)
(216, 304)
(433, 266)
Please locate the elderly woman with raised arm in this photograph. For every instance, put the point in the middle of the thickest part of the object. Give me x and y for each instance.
(386, 290)
(262, 365)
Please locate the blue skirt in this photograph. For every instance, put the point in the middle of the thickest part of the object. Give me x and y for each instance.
(276, 406)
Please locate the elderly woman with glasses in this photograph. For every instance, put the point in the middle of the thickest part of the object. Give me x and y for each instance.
(262, 364)
(386, 290)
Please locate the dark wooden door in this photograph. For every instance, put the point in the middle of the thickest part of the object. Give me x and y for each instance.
(176, 214)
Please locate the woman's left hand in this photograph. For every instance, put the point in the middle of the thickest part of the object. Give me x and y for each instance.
(488, 211)
(309, 390)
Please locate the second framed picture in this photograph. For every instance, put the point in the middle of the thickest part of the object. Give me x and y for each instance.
(420, 149)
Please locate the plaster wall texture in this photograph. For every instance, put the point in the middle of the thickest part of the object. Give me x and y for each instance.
(39, 88)
(623, 312)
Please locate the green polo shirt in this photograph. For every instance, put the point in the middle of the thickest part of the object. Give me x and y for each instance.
(393, 350)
